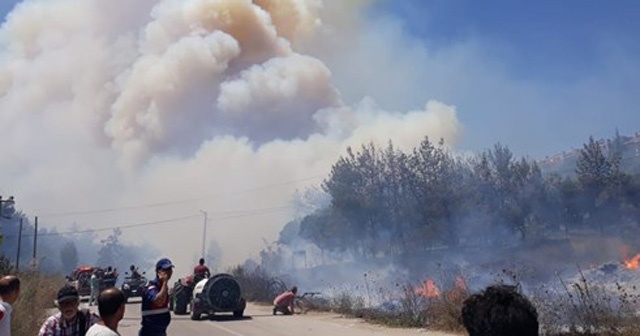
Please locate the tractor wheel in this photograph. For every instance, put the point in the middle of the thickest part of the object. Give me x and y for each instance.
(195, 315)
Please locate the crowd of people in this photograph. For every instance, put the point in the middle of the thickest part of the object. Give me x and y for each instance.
(498, 310)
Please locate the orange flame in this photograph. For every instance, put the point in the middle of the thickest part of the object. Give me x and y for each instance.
(459, 289)
(429, 289)
(629, 263)
(632, 263)
(460, 284)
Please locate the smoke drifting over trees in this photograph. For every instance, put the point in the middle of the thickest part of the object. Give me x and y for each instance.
(229, 106)
(111, 104)
(386, 203)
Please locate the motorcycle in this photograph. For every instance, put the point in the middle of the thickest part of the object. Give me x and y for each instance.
(133, 285)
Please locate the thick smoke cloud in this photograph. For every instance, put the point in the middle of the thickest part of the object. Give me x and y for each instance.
(108, 104)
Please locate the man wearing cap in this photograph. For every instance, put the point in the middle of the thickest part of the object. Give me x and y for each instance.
(70, 320)
(155, 301)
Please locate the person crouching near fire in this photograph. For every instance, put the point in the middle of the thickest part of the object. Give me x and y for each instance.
(284, 302)
(499, 310)
(155, 301)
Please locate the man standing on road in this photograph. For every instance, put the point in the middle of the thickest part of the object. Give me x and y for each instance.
(70, 321)
(284, 302)
(95, 287)
(111, 306)
(9, 292)
(155, 301)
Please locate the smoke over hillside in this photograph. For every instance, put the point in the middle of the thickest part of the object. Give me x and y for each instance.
(227, 106)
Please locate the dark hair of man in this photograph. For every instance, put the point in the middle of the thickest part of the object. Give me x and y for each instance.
(499, 311)
(201, 261)
(109, 301)
(9, 284)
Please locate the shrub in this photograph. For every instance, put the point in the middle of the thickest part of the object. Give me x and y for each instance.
(258, 285)
(37, 293)
(585, 308)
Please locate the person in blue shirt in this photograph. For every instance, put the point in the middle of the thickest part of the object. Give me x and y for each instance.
(155, 301)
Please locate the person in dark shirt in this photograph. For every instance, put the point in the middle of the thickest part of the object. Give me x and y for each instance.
(155, 301)
(499, 310)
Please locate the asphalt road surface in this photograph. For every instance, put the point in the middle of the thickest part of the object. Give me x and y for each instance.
(260, 321)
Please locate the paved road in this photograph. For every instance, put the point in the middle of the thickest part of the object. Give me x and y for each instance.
(260, 321)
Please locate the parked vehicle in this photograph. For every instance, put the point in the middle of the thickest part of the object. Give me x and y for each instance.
(180, 295)
(219, 294)
(80, 278)
(133, 284)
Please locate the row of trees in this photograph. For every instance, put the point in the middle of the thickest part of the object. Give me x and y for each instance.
(61, 253)
(386, 201)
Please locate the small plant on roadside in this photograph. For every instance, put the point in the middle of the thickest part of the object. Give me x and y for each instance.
(584, 308)
(258, 285)
(37, 293)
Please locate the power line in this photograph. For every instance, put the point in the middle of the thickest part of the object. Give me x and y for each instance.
(230, 215)
(153, 205)
(129, 226)
(225, 214)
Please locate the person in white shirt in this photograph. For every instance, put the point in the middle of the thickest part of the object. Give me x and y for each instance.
(94, 282)
(9, 292)
(111, 305)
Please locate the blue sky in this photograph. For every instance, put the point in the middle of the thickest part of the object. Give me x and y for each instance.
(543, 38)
(545, 74)
(6, 5)
(567, 69)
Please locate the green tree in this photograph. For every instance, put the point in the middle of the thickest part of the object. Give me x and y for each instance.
(111, 251)
(355, 186)
(432, 184)
(600, 179)
(69, 257)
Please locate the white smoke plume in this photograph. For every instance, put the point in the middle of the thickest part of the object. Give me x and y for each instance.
(221, 105)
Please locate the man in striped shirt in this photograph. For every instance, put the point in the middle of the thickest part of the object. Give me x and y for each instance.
(70, 320)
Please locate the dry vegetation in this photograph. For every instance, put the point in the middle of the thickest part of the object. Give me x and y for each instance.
(577, 309)
(584, 308)
(37, 292)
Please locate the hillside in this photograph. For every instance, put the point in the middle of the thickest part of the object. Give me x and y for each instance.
(564, 163)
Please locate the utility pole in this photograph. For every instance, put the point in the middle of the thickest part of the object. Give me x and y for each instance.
(19, 245)
(35, 241)
(9, 203)
(204, 234)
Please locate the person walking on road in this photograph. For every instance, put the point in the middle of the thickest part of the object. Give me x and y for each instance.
(95, 287)
(155, 301)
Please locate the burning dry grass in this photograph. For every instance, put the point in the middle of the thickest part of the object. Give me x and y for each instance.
(579, 307)
(415, 307)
